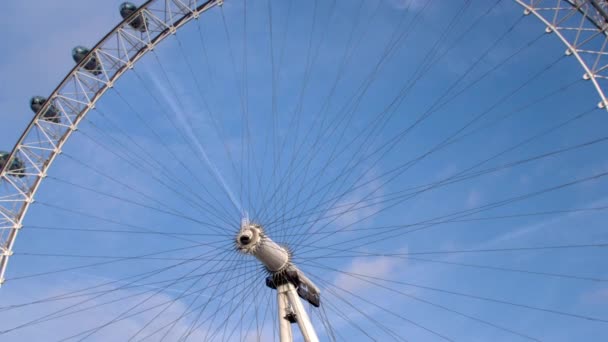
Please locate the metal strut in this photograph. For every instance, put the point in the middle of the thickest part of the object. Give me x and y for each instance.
(290, 310)
(291, 284)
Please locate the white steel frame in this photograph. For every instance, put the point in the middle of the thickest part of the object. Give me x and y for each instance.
(580, 24)
(75, 96)
(287, 297)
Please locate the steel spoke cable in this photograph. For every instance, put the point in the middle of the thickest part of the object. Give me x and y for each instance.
(53, 315)
(121, 223)
(431, 223)
(180, 133)
(277, 195)
(119, 231)
(158, 138)
(312, 55)
(477, 266)
(252, 305)
(136, 313)
(147, 158)
(137, 305)
(139, 204)
(343, 62)
(393, 143)
(125, 152)
(437, 221)
(443, 307)
(329, 287)
(228, 316)
(292, 167)
(470, 296)
(201, 309)
(250, 269)
(354, 206)
(446, 142)
(108, 257)
(545, 97)
(394, 41)
(266, 313)
(180, 194)
(430, 52)
(113, 301)
(130, 285)
(358, 254)
(152, 167)
(233, 306)
(98, 294)
(198, 245)
(214, 314)
(333, 307)
(231, 264)
(124, 185)
(410, 84)
(123, 231)
(199, 149)
(218, 124)
(198, 293)
(508, 269)
(81, 292)
(226, 277)
(330, 329)
(206, 105)
(241, 95)
(246, 138)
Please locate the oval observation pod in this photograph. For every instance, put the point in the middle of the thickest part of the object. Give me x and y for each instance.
(16, 166)
(92, 65)
(51, 114)
(139, 22)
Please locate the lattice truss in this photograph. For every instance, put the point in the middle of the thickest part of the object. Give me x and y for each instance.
(580, 24)
(74, 97)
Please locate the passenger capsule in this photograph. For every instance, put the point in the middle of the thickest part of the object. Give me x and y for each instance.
(126, 10)
(16, 166)
(92, 65)
(51, 114)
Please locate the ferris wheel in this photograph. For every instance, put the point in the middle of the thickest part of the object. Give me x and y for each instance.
(317, 171)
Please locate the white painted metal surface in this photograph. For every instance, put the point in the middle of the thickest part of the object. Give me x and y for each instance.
(308, 332)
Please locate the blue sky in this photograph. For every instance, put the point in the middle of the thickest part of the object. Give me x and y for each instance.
(199, 133)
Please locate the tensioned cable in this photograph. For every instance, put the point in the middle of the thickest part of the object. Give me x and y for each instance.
(328, 288)
(443, 307)
(101, 218)
(231, 265)
(139, 204)
(200, 150)
(402, 133)
(460, 177)
(98, 295)
(318, 178)
(466, 295)
(427, 224)
(518, 110)
(187, 200)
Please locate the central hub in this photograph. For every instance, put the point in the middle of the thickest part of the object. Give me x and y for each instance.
(252, 240)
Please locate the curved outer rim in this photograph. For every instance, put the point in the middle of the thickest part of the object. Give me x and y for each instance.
(171, 23)
(25, 194)
(572, 47)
